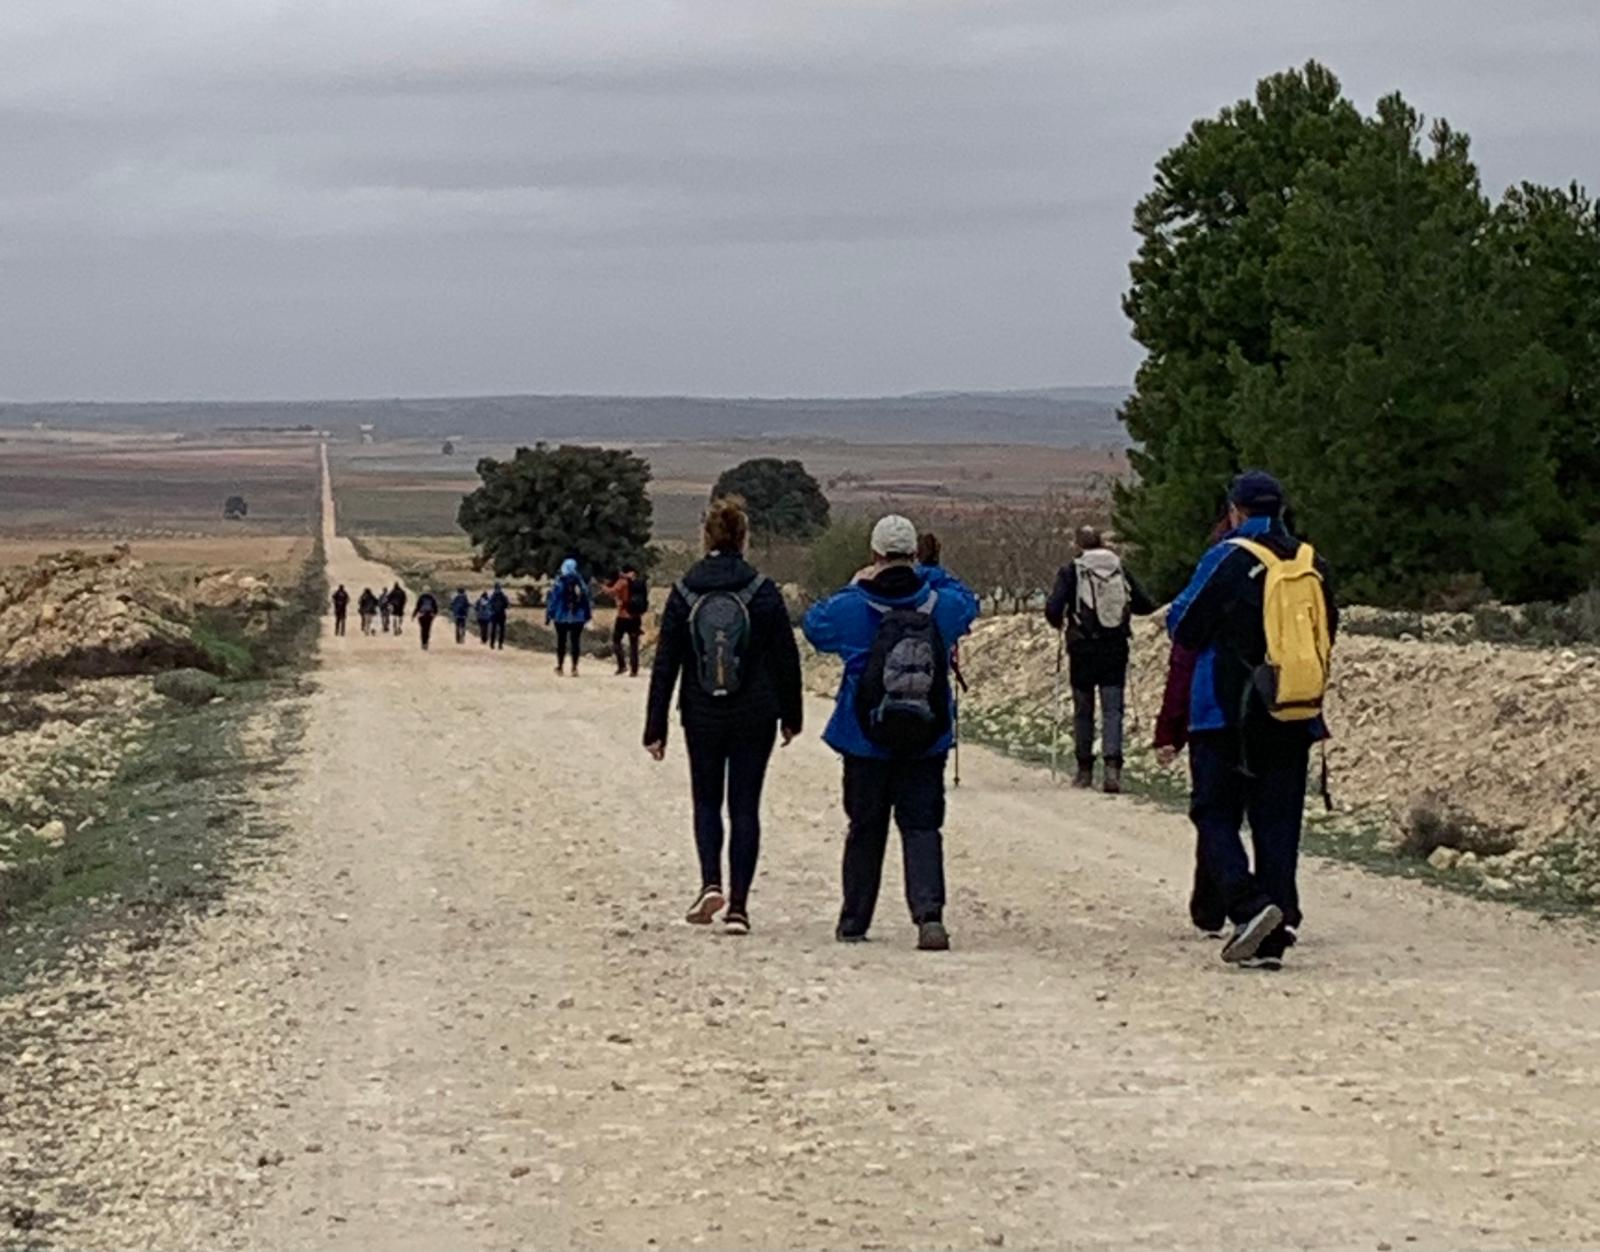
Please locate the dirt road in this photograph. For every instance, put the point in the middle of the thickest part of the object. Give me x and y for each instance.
(467, 1014)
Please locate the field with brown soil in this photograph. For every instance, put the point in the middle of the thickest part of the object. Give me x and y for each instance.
(59, 491)
(412, 488)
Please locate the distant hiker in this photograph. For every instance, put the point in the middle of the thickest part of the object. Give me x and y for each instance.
(460, 610)
(484, 615)
(499, 610)
(397, 607)
(383, 607)
(568, 610)
(1260, 615)
(631, 593)
(341, 609)
(1094, 601)
(726, 629)
(367, 607)
(427, 609)
(892, 723)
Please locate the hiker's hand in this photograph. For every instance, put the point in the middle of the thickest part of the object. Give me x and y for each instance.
(864, 574)
(657, 750)
(788, 736)
(1166, 754)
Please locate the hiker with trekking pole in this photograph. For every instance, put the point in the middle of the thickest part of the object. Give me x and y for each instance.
(894, 626)
(1093, 605)
(1260, 616)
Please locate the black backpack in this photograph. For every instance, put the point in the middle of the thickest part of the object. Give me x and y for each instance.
(719, 629)
(903, 698)
(638, 596)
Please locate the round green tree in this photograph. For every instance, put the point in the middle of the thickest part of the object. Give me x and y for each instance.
(784, 500)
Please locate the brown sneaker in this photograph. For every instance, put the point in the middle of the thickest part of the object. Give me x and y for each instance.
(1112, 783)
(706, 906)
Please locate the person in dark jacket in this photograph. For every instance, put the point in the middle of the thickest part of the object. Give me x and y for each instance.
(341, 609)
(632, 598)
(427, 609)
(383, 608)
(1097, 653)
(878, 785)
(397, 607)
(460, 611)
(729, 737)
(499, 610)
(1243, 761)
(569, 610)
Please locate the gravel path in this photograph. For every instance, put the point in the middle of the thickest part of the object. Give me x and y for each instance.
(460, 1010)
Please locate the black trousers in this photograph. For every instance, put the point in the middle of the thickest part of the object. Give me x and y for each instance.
(461, 630)
(483, 630)
(629, 628)
(425, 628)
(569, 635)
(729, 764)
(912, 792)
(338, 621)
(497, 632)
(1272, 796)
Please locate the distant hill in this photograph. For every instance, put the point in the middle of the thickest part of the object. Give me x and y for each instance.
(1059, 416)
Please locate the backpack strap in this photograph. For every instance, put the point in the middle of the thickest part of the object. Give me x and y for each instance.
(690, 599)
(1260, 551)
(748, 592)
(927, 606)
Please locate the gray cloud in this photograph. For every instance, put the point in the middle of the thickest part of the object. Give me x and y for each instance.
(378, 197)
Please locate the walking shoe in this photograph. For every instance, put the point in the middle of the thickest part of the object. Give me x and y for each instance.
(706, 906)
(1248, 936)
(1270, 963)
(932, 937)
(1212, 932)
(849, 936)
(1112, 785)
(737, 922)
(1084, 778)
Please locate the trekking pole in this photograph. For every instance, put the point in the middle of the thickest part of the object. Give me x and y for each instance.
(961, 687)
(1055, 724)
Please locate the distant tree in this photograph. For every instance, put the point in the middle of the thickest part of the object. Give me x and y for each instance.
(546, 504)
(449, 448)
(234, 508)
(785, 501)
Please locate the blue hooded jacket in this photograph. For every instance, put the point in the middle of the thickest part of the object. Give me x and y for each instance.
(1219, 616)
(556, 611)
(846, 624)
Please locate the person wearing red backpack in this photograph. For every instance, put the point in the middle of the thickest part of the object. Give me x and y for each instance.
(631, 594)
(1249, 741)
(727, 644)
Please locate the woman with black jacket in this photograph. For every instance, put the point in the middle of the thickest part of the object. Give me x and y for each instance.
(740, 686)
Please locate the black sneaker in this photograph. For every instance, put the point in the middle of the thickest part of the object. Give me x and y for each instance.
(1248, 936)
(932, 937)
(1270, 963)
(849, 936)
(736, 922)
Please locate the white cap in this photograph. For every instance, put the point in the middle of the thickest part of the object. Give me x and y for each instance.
(894, 536)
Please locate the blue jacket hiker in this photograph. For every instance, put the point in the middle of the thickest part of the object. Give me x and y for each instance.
(460, 611)
(896, 661)
(568, 610)
(1243, 760)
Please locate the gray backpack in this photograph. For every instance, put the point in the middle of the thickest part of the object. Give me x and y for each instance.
(719, 630)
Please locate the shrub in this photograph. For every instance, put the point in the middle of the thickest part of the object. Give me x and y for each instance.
(836, 554)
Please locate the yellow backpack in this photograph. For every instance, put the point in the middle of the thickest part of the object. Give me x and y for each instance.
(1294, 679)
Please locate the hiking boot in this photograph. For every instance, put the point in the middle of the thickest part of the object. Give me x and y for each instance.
(1084, 778)
(1248, 936)
(736, 922)
(706, 906)
(1112, 783)
(932, 937)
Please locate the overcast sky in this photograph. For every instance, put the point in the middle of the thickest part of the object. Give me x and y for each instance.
(301, 198)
